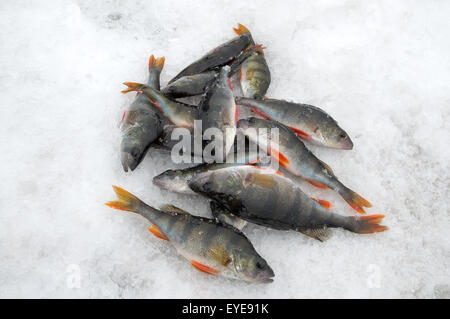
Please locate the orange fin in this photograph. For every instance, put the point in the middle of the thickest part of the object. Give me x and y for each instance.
(132, 86)
(324, 203)
(241, 29)
(316, 184)
(157, 232)
(150, 63)
(268, 169)
(264, 116)
(302, 134)
(355, 200)
(370, 224)
(359, 209)
(230, 84)
(160, 62)
(236, 115)
(126, 201)
(279, 157)
(204, 268)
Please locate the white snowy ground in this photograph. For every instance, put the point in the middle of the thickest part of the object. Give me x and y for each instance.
(381, 68)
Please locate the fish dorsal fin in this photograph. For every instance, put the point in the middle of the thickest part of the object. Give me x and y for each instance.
(219, 253)
(320, 233)
(169, 208)
(262, 180)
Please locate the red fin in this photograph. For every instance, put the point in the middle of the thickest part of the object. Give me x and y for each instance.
(255, 110)
(268, 168)
(132, 86)
(123, 116)
(324, 203)
(160, 62)
(150, 63)
(254, 162)
(370, 224)
(240, 29)
(157, 105)
(300, 132)
(359, 209)
(204, 268)
(316, 184)
(157, 232)
(236, 115)
(279, 157)
(230, 84)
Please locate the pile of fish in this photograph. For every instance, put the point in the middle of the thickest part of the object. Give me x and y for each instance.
(245, 190)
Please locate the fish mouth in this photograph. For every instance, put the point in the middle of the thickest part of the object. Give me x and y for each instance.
(347, 145)
(128, 161)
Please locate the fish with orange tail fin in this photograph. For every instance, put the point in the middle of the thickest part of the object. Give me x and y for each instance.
(274, 201)
(180, 114)
(293, 155)
(310, 123)
(254, 71)
(142, 123)
(210, 246)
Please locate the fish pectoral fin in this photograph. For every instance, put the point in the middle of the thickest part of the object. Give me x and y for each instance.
(220, 254)
(204, 268)
(317, 184)
(320, 233)
(301, 133)
(279, 157)
(262, 180)
(157, 232)
(324, 203)
(169, 208)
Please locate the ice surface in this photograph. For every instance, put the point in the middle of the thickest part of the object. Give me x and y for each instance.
(382, 69)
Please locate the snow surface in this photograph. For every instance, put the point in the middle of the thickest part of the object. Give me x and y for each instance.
(381, 68)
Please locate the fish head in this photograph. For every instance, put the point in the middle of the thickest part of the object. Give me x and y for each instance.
(252, 267)
(132, 152)
(173, 180)
(332, 136)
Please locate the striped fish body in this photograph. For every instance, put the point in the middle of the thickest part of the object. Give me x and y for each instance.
(211, 247)
(255, 76)
(274, 201)
(309, 122)
(218, 109)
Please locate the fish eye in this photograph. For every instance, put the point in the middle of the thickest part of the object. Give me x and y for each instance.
(342, 135)
(259, 265)
(135, 152)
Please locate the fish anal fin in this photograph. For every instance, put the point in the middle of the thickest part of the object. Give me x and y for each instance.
(317, 184)
(157, 232)
(320, 233)
(204, 268)
(324, 203)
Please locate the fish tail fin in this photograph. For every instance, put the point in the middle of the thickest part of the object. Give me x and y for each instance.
(241, 29)
(368, 224)
(133, 86)
(356, 201)
(126, 201)
(156, 63)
